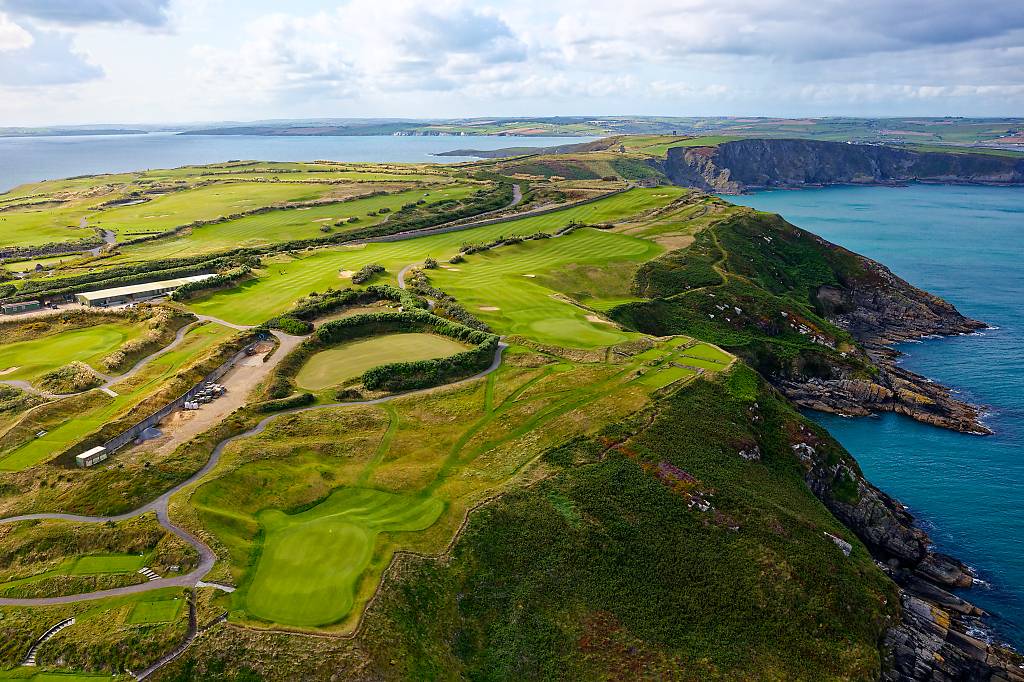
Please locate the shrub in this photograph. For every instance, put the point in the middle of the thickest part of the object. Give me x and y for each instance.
(291, 325)
(366, 272)
(189, 290)
(430, 264)
(291, 402)
(456, 259)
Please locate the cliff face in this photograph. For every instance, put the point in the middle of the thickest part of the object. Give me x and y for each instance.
(734, 167)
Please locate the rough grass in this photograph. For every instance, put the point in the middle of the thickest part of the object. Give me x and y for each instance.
(336, 365)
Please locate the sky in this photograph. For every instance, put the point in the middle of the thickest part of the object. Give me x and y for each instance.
(164, 61)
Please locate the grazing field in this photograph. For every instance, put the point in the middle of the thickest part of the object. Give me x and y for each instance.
(285, 279)
(284, 225)
(310, 562)
(30, 359)
(336, 365)
(161, 611)
(66, 432)
(502, 286)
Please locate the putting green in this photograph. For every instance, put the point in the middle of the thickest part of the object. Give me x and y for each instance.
(335, 365)
(36, 357)
(311, 562)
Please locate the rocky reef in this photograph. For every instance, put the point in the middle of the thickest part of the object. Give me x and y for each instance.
(735, 167)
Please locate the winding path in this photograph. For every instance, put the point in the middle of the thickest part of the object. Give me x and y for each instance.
(160, 504)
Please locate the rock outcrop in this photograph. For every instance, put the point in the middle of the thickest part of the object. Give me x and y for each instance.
(735, 167)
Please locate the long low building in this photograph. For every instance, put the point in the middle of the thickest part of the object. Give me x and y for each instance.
(134, 292)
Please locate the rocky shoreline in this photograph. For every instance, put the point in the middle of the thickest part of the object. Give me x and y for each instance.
(941, 636)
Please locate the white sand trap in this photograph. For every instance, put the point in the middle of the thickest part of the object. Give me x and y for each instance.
(322, 220)
(529, 275)
(450, 269)
(346, 274)
(8, 370)
(306, 208)
(595, 318)
(354, 246)
(489, 308)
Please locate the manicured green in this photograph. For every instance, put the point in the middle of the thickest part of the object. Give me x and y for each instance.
(337, 365)
(31, 359)
(162, 611)
(310, 562)
(108, 563)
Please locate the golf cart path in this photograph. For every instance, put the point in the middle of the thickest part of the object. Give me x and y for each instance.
(159, 506)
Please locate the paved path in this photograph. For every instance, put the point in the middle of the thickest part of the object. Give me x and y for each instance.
(160, 504)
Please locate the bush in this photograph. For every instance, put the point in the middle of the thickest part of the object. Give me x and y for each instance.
(189, 290)
(291, 325)
(430, 264)
(300, 400)
(456, 259)
(366, 272)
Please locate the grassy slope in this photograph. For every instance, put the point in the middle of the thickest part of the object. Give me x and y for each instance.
(602, 571)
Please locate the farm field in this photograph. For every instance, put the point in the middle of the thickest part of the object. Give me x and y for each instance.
(66, 432)
(336, 365)
(27, 360)
(287, 278)
(282, 225)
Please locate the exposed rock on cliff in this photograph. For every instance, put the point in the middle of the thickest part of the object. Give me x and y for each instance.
(733, 167)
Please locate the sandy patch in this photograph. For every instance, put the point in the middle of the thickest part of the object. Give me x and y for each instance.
(354, 246)
(674, 241)
(346, 274)
(322, 220)
(451, 269)
(306, 208)
(8, 370)
(489, 308)
(531, 276)
(595, 318)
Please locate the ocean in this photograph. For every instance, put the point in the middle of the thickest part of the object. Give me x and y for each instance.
(30, 159)
(965, 244)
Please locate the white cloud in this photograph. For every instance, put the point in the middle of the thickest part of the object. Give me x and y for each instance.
(12, 36)
(151, 13)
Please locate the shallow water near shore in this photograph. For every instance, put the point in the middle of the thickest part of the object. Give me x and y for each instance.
(965, 244)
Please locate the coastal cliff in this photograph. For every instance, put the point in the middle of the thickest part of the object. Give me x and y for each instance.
(742, 165)
(817, 321)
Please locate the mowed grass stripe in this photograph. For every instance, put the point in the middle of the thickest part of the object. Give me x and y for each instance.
(284, 280)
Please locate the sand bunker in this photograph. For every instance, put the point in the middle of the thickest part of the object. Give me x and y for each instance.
(346, 274)
(489, 308)
(8, 370)
(595, 318)
(529, 275)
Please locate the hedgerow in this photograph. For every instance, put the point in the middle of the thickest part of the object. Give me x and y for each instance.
(221, 280)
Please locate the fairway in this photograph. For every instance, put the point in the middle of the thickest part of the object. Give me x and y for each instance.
(34, 358)
(285, 279)
(336, 365)
(162, 611)
(311, 562)
(503, 286)
(286, 224)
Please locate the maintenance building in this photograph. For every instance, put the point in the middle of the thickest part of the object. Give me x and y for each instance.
(135, 292)
(92, 456)
(23, 307)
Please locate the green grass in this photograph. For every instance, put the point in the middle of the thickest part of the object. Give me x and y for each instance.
(93, 564)
(285, 225)
(310, 562)
(284, 280)
(162, 611)
(33, 675)
(38, 356)
(336, 365)
(155, 374)
(498, 279)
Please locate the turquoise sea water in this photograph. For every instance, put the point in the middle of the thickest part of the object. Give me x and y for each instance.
(965, 244)
(30, 159)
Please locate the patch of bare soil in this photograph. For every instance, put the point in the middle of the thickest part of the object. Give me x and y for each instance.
(595, 318)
